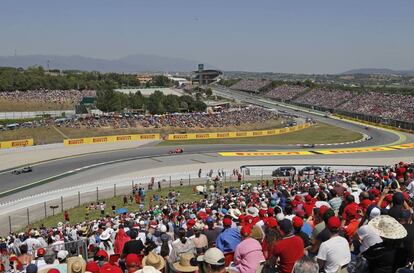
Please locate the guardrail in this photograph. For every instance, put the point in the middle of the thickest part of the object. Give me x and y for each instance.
(16, 214)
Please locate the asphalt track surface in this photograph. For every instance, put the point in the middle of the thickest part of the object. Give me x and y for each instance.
(129, 160)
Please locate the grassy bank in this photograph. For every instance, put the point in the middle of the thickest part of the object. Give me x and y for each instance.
(22, 106)
(77, 214)
(316, 134)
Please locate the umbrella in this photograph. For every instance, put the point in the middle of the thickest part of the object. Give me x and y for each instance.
(122, 210)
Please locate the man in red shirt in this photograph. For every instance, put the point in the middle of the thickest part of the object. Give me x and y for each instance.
(288, 250)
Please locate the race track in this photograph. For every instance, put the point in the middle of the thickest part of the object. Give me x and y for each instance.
(54, 169)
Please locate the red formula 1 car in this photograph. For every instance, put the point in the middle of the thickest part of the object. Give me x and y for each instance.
(177, 151)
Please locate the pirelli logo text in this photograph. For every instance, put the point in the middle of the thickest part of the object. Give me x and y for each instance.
(99, 139)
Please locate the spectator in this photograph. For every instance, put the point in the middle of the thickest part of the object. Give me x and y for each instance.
(334, 254)
(289, 249)
(248, 254)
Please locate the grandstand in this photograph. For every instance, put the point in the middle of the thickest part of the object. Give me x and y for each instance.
(254, 86)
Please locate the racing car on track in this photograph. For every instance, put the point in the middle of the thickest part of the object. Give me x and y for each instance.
(27, 169)
(177, 151)
(308, 146)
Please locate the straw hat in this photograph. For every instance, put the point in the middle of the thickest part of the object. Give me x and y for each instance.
(184, 265)
(148, 269)
(387, 227)
(153, 260)
(76, 265)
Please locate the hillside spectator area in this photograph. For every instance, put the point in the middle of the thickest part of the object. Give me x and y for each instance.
(42, 100)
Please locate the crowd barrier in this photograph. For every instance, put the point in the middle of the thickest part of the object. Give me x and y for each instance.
(110, 139)
(272, 132)
(16, 143)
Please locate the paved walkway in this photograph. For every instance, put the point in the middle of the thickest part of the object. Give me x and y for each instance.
(10, 158)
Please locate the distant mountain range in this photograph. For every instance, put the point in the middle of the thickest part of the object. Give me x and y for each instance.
(127, 64)
(383, 71)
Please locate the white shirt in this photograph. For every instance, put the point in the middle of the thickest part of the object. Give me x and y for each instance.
(335, 252)
(410, 189)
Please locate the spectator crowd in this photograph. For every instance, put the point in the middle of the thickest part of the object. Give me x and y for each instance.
(47, 96)
(380, 104)
(325, 98)
(391, 106)
(285, 92)
(225, 118)
(251, 85)
(320, 222)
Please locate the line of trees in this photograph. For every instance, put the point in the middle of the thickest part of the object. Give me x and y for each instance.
(109, 100)
(35, 78)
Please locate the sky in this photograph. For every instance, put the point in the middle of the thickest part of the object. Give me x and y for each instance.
(293, 36)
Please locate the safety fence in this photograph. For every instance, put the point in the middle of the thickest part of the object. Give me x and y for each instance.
(16, 143)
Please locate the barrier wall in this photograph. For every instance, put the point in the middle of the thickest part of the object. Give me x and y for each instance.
(110, 139)
(16, 143)
(272, 132)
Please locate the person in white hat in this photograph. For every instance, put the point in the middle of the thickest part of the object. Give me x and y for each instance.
(213, 261)
(106, 243)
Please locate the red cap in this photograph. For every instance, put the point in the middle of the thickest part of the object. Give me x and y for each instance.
(271, 222)
(190, 223)
(322, 210)
(227, 222)
(375, 192)
(297, 222)
(262, 212)
(270, 211)
(334, 222)
(108, 268)
(102, 253)
(294, 203)
(41, 252)
(365, 204)
(202, 215)
(298, 197)
(133, 260)
(248, 219)
(92, 267)
(246, 231)
(308, 198)
(53, 270)
(241, 218)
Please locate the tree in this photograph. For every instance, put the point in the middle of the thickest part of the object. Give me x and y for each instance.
(209, 92)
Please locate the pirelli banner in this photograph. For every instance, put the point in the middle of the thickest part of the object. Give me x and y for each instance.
(272, 132)
(16, 143)
(110, 139)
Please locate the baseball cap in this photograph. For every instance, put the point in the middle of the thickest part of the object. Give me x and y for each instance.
(62, 254)
(41, 252)
(227, 222)
(334, 223)
(92, 267)
(212, 256)
(297, 222)
(53, 270)
(102, 253)
(110, 269)
(133, 260)
(322, 210)
(271, 222)
(246, 231)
